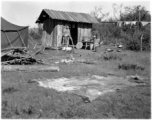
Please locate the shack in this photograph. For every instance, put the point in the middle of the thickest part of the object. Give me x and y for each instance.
(54, 23)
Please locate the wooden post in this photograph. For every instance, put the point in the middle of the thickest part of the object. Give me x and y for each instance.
(141, 38)
(139, 30)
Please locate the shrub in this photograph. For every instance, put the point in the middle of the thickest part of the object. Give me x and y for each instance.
(33, 32)
(130, 66)
(111, 56)
(36, 32)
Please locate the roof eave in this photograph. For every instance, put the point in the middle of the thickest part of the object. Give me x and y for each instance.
(56, 17)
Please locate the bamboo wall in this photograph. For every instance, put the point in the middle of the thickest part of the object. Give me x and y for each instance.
(53, 29)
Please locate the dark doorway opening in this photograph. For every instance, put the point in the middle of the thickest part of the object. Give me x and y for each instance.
(74, 33)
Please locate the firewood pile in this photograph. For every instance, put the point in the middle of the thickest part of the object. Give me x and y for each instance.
(19, 56)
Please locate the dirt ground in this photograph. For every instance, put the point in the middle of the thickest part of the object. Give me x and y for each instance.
(24, 98)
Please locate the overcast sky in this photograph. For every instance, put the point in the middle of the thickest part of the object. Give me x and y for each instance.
(26, 12)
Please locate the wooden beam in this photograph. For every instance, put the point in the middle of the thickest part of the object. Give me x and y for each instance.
(13, 48)
(30, 68)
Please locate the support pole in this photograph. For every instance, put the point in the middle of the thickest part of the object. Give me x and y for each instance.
(8, 39)
(141, 39)
(21, 38)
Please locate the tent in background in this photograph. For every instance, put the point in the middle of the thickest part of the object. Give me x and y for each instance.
(13, 36)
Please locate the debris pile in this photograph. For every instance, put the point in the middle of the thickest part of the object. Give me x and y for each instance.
(18, 56)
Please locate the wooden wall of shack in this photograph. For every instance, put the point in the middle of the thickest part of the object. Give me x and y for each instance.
(53, 29)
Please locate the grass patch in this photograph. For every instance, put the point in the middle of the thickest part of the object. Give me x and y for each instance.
(9, 90)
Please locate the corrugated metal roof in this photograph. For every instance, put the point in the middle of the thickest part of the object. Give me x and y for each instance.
(69, 16)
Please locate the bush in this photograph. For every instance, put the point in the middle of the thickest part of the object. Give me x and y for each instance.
(33, 32)
(130, 66)
(133, 42)
(147, 38)
(111, 56)
(36, 33)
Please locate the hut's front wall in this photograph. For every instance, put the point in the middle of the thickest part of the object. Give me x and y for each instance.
(48, 34)
(53, 29)
(84, 30)
(52, 32)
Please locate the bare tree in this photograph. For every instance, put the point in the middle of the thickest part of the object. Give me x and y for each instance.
(99, 14)
(117, 11)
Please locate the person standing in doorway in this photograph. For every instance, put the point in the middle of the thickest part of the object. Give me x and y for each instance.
(67, 36)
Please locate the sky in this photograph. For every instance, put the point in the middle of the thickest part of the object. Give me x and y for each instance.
(25, 13)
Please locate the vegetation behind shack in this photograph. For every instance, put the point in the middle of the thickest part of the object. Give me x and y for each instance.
(129, 36)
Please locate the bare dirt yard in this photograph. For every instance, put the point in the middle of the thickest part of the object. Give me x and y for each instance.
(95, 86)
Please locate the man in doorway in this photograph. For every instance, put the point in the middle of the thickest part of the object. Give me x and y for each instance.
(67, 36)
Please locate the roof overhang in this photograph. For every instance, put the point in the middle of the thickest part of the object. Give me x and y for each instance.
(65, 16)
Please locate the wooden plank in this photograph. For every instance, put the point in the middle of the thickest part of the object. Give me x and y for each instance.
(87, 30)
(79, 32)
(44, 36)
(57, 26)
(5, 53)
(13, 48)
(30, 68)
(51, 32)
(59, 33)
(90, 30)
(53, 24)
(48, 33)
(55, 33)
(82, 31)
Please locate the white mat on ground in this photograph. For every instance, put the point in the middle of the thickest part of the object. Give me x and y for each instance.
(88, 86)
